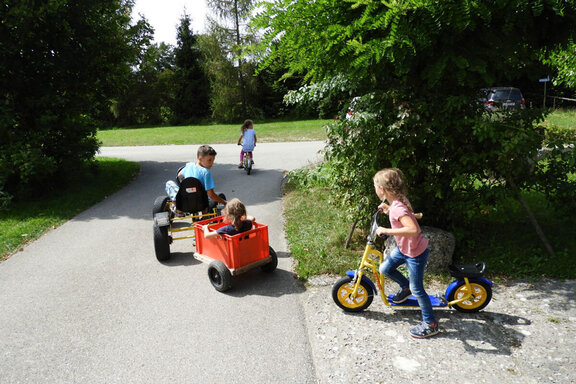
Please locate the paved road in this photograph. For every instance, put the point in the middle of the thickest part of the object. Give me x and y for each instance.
(89, 303)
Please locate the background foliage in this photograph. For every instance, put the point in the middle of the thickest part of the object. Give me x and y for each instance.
(61, 63)
(418, 66)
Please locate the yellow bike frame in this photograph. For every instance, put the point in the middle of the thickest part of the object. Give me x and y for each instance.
(372, 256)
(194, 218)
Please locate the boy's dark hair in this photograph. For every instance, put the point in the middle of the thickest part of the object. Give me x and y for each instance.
(205, 150)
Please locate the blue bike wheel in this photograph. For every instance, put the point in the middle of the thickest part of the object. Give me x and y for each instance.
(481, 296)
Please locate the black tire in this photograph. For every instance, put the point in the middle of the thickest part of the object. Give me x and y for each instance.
(219, 276)
(341, 295)
(249, 168)
(271, 266)
(161, 243)
(160, 205)
(482, 296)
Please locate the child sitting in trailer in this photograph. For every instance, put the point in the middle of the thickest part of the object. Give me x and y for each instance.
(235, 214)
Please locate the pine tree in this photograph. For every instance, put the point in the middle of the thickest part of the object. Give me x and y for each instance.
(192, 88)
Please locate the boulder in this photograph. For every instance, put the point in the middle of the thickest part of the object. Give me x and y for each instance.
(441, 248)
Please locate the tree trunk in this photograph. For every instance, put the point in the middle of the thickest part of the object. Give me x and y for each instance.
(532, 219)
(240, 69)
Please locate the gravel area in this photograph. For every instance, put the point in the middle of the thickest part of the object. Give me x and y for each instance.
(525, 335)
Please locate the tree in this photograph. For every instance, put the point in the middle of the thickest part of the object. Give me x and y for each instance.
(232, 97)
(61, 63)
(564, 61)
(419, 65)
(192, 88)
(148, 97)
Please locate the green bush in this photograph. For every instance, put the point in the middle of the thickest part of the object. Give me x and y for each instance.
(61, 63)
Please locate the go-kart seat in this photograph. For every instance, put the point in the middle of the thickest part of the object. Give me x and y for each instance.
(191, 196)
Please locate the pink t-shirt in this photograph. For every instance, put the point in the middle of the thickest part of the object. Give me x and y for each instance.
(411, 246)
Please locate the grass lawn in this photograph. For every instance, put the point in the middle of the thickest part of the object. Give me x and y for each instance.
(317, 234)
(27, 220)
(306, 130)
(562, 119)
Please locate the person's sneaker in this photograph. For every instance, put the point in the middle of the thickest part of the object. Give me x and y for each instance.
(401, 296)
(241, 165)
(424, 330)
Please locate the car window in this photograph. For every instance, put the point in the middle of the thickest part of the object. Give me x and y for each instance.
(506, 94)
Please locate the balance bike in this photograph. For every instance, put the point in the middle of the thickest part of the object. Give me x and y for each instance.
(470, 292)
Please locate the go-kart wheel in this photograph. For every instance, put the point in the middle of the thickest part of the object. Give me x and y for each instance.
(161, 205)
(342, 290)
(161, 243)
(271, 266)
(219, 276)
(481, 296)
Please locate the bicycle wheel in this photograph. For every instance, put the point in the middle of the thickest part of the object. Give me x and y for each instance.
(249, 168)
(341, 294)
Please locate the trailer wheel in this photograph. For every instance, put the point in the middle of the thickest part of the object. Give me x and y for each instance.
(271, 266)
(219, 276)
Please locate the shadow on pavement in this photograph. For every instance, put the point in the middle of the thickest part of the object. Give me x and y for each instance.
(483, 332)
(252, 282)
(137, 199)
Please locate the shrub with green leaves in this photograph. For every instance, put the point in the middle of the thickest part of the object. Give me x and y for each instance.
(419, 65)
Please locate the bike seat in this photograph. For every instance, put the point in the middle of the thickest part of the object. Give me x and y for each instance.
(467, 270)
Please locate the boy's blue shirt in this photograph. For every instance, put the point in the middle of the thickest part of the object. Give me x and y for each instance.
(200, 173)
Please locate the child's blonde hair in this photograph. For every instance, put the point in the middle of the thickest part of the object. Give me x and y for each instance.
(392, 180)
(234, 211)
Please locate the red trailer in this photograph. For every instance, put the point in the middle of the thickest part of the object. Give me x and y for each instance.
(229, 256)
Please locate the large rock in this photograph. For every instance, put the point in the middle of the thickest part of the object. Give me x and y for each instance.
(441, 248)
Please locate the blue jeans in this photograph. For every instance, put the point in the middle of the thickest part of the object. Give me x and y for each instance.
(415, 266)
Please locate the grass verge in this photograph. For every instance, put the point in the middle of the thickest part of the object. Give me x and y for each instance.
(503, 238)
(281, 131)
(317, 234)
(562, 118)
(26, 221)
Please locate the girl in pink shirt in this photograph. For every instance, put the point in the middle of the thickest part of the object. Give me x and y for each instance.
(412, 247)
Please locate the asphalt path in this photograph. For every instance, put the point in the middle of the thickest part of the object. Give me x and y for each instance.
(89, 303)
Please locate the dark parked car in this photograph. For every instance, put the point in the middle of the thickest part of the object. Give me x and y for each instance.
(503, 98)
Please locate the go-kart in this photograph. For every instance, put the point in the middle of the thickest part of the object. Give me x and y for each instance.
(227, 255)
(174, 219)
